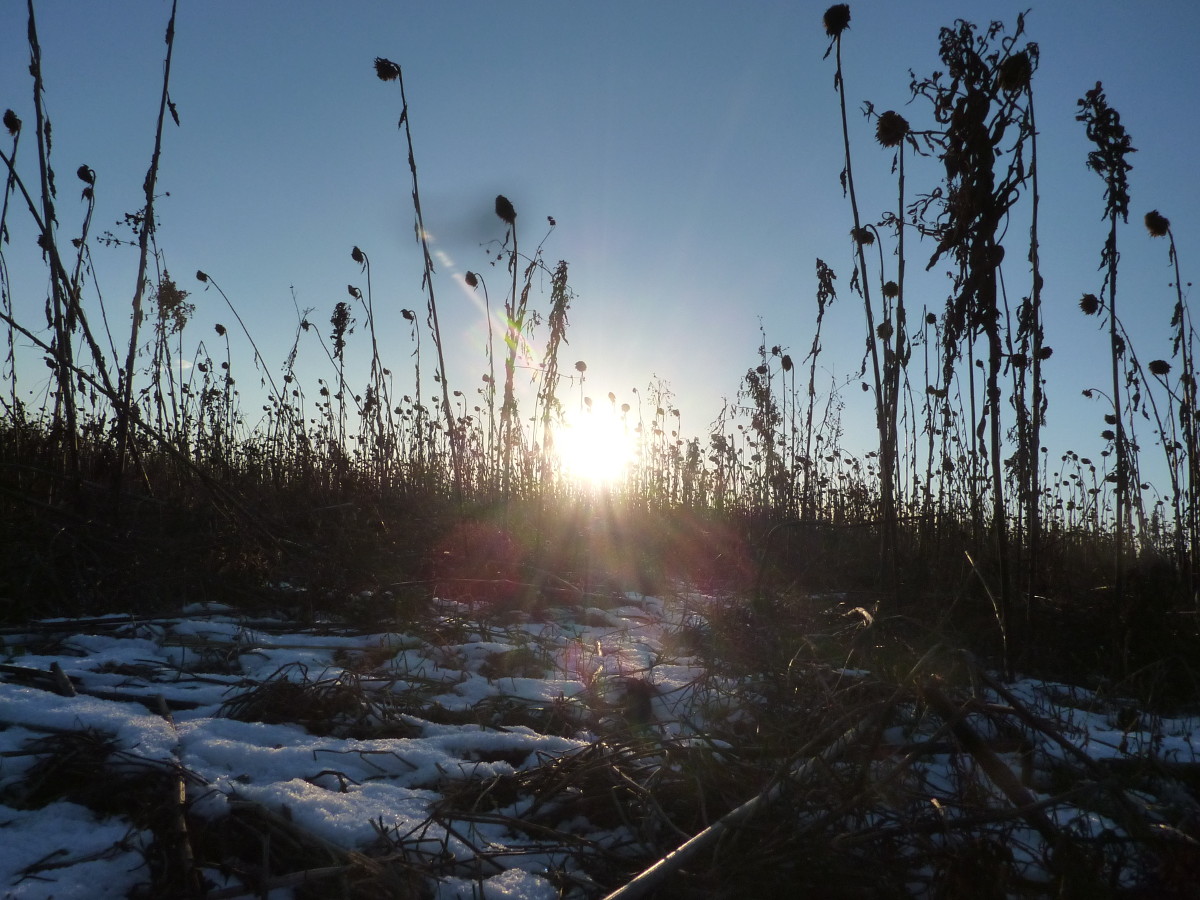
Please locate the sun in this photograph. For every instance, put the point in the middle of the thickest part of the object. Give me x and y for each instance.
(595, 447)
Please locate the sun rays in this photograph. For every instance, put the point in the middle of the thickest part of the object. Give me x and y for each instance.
(597, 447)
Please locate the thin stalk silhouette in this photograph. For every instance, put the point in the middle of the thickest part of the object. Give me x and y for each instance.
(837, 20)
(390, 71)
(145, 233)
(1108, 160)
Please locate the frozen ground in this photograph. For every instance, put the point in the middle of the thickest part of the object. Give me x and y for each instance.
(350, 746)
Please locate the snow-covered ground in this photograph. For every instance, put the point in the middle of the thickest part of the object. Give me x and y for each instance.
(363, 742)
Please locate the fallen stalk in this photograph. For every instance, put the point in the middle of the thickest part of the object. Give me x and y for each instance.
(670, 864)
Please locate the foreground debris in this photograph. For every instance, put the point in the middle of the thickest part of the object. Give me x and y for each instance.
(619, 746)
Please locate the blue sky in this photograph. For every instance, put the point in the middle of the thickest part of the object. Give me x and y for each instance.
(689, 152)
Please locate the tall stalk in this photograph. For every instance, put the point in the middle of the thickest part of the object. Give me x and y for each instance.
(826, 294)
(69, 285)
(390, 71)
(892, 131)
(560, 300)
(979, 107)
(1108, 160)
(1037, 405)
(474, 280)
(64, 406)
(377, 407)
(1187, 507)
(514, 321)
(12, 124)
(837, 20)
(145, 233)
(418, 408)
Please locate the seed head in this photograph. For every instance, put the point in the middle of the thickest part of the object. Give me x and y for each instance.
(471, 279)
(930, 318)
(1108, 434)
(581, 366)
(1090, 304)
(837, 19)
(386, 69)
(884, 330)
(200, 276)
(891, 129)
(1015, 73)
(1159, 367)
(340, 320)
(88, 177)
(504, 209)
(891, 290)
(864, 236)
(1157, 224)
(11, 122)
(357, 256)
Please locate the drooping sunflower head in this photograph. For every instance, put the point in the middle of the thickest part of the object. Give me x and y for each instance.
(1157, 224)
(837, 19)
(891, 129)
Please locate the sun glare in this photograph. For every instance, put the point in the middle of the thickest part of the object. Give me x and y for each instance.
(596, 447)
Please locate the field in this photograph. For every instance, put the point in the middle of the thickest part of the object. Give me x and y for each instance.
(482, 750)
(373, 634)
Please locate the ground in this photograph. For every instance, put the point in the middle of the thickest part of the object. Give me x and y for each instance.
(558, 751)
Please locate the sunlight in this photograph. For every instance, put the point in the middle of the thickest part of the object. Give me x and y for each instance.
(597, 447)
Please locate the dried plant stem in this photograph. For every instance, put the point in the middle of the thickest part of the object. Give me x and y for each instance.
(898, 360)
(652, 877)
(65, 407)
(427, 283)
(1190, 521)
(1108, 160)
(514, 310)
(145, 233)
(1116, 345)
(5, 296)
(258, 357)
(887, 454)
(825, 295)
(560, 300)
(59, 275)
(1036, 411)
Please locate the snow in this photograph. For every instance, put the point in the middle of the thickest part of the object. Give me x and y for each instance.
(343, 818)
(347, 791)
(512, 884)
(63, 851)
(134, 728)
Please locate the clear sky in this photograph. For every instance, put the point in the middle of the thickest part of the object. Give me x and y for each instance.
(689, 152)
